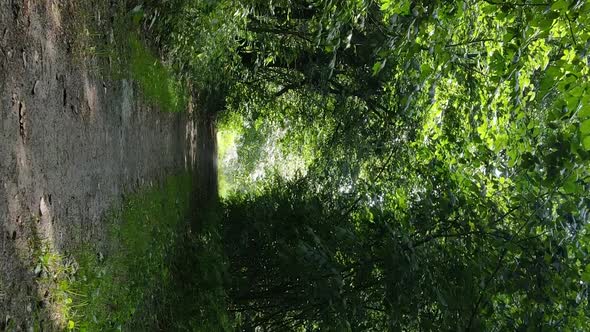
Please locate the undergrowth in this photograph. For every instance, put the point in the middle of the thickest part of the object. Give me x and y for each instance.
(111, 34)
(114, 285)
(157, 82)
(155, 275)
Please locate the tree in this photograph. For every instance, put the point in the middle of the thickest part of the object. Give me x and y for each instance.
(446, 187)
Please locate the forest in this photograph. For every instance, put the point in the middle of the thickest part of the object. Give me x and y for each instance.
(361, 165)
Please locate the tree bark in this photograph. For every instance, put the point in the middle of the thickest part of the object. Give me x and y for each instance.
(205, 182)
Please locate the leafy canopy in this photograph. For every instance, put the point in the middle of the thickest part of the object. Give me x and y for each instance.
(442, 150)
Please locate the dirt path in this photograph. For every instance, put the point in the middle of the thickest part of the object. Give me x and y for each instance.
(71, 143)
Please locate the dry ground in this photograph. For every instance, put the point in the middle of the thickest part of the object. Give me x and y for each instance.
(72, 142)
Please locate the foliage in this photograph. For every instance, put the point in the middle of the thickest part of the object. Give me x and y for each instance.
(444, 147)
(450, 173)
(114, 285)
(199, 38)
(136, 283)
(109, 35)
(157, 82)
(251, 151)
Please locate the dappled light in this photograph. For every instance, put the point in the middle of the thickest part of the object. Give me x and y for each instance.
(73, 140)
(256, 166)
(55, 13)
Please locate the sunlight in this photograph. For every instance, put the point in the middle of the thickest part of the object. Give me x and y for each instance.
(55, 13)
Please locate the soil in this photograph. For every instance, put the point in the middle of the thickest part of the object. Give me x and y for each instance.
(72, 143)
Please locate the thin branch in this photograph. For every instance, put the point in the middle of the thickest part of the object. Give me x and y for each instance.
(487, 284)
(472, 42)
(522, 4)
(356, 201)
(287, 88)
(505, 251)
(465, 66)
(375, 309)
(443, 235)
(569, 21)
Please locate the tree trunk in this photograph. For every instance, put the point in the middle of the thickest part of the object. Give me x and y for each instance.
(205, 185)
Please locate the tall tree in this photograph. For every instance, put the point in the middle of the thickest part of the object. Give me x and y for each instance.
(447, 183)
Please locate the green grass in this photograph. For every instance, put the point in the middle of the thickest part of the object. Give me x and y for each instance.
(113, 288)
(157, 82)
(154, 274)
(113, 285)
(121, 51)
(54, 274)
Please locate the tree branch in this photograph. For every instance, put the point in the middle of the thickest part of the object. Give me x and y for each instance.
(522, 4)
(471, 42)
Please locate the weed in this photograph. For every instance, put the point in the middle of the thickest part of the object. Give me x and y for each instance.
(110, 35)
(54, 274)
(112, 286)
(153, 275)
(155, 79)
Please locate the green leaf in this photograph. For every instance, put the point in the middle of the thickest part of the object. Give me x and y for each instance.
(377, 67)
(396, 7)
(570, 186)
(547, 21)
(586, 143)
(425, 69)
(584, 112)
(572, 102)
(577, 91)
(586, 274)
(559, 5)
(585, 127)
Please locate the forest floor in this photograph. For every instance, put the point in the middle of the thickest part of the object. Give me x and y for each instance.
(73, 140)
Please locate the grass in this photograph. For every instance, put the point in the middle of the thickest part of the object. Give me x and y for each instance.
(155, 275)
(120, 52)
(157, 82)
(53, 275)
(113, 285)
